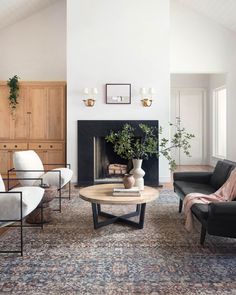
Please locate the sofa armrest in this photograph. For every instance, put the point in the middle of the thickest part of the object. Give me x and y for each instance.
(222, 209)
(222, 219)
(199, 177)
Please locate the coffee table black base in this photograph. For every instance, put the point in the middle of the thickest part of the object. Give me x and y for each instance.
(140, 211)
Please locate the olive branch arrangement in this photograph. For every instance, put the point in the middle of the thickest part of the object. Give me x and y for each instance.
(128, 146)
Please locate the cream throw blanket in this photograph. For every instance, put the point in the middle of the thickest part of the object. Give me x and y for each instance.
(225, 193)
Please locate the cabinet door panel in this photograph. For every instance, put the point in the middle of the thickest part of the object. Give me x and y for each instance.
(42, 155)
(55, 157)
(5, 114)
(21, 121)
(56, 113)
(38, 115)
(5, 161)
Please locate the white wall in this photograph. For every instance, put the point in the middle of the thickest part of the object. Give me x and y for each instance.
(35, 48)
(189, 80)
(117, 41)
(199, 45)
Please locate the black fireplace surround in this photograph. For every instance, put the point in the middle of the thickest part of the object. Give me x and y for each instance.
(89, 130)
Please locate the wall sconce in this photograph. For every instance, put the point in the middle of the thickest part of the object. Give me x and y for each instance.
(90, 94)
(147, 96)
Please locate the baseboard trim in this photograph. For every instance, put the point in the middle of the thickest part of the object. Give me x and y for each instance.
(165, 179)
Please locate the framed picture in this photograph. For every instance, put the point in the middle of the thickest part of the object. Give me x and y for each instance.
(118, 93)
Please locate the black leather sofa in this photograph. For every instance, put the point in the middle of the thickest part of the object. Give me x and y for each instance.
(217, 218)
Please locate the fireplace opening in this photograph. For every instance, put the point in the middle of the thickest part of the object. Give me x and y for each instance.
(108, 166)
(98, 163)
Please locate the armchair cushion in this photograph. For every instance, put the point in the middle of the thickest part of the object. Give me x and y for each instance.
(2, 185)
(28, 160)
(10, 202)
(52, 178)
(10, 206)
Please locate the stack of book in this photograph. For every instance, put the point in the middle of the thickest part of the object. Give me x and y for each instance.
(127, 192)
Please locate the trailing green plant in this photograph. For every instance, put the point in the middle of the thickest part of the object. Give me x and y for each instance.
(13, 84)
(128, 146)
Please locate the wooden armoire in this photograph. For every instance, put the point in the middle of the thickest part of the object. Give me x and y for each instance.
(38, 123)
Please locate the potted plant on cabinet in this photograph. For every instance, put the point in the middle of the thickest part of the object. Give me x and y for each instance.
(13, 84)
(137, 149)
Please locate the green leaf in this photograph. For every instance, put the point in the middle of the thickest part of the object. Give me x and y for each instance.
(128, 146)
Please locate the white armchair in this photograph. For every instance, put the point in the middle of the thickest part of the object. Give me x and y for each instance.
(16, 204)
(28, 166)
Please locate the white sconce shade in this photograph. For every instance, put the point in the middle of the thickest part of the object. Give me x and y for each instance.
(94, 91)
(86, 91)
(147, 96)
(142, 91)
(90, 101)
(151, 91)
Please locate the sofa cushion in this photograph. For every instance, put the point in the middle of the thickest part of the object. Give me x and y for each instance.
(10, 202)
(220, 174)
(193, 187)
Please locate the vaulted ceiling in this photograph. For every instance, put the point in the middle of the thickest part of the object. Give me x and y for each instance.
(221, 11)
(12, 11)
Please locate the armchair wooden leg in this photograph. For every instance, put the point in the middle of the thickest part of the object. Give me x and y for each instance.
(180, 205)
(203, 235)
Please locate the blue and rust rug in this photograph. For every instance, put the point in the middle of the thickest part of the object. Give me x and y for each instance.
(70, 257)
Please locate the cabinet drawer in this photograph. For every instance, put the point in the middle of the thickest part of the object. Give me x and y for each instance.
(45, 146)
(38, 146)
(55, 146)
(13, 146)
(5, 146)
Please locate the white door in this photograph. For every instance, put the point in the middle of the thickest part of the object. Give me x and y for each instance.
(189, 105)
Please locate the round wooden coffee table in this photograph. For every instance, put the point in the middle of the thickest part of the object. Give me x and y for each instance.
(102, 194)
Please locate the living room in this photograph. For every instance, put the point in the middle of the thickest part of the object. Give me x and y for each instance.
(172, 58)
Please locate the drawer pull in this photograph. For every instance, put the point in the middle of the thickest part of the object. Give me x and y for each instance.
(15, 145)
(40, 146)
(51, 146)
(4, 146)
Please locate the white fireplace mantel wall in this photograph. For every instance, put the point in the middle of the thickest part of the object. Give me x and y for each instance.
(117, 42)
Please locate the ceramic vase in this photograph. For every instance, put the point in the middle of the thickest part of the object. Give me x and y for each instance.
(128, 180)
(138, 173)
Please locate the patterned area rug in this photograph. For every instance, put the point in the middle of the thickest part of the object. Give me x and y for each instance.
(70, 257)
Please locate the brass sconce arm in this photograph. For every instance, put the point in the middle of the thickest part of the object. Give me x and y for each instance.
(89, 102)
(146, 102)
